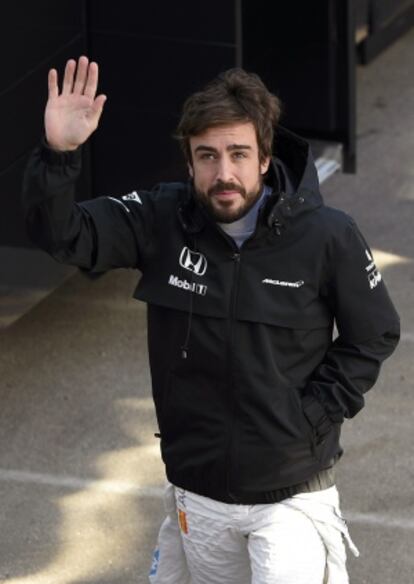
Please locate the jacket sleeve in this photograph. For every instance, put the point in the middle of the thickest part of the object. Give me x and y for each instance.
(368, 332)
(96, 235)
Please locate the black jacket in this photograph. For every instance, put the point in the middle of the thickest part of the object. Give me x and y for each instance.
(250, 388)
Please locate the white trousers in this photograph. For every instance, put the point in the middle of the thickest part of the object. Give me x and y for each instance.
(297, 541)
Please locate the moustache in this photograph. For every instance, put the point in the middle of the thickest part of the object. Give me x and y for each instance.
(226, 186)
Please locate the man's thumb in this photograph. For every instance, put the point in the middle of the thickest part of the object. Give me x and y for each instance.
(98, 104)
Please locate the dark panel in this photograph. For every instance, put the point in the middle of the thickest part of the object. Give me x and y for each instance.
(32, 32)
(296, 57)
(308, 62)
(37, 40)
(188, 20)
(148, 68)
(135, 152)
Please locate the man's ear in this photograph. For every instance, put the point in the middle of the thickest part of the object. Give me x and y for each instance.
(190, 170)
(264, 166)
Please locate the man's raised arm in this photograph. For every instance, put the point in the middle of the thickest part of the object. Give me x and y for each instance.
(98, 234)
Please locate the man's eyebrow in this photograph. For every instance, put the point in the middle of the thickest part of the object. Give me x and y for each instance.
(239, 147)
(206, 148)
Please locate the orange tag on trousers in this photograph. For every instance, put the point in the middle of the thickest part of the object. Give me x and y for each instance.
(182, 520)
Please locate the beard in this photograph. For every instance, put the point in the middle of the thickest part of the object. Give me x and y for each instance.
(226, 211)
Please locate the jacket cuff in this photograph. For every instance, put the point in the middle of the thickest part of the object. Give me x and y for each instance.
(60, 158)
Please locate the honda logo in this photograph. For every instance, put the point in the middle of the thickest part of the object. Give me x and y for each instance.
(193, 261)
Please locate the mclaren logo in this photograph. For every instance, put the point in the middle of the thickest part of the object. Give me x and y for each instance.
(283, 283)
(193, 261)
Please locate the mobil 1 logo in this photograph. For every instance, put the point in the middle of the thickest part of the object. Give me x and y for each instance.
(193, 262)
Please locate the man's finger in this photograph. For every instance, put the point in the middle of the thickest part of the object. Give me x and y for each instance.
(68, 77)
(98, 105)
(53, 84)
(92, 80)
(81, 74)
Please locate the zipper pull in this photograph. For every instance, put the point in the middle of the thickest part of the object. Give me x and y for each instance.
(236, 257)
(277, 226)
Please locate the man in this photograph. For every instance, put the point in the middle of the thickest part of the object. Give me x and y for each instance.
(245, 272)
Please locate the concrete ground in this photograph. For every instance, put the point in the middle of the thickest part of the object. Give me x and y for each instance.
(80, 473)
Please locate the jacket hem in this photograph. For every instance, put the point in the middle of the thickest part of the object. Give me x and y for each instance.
(323, 479)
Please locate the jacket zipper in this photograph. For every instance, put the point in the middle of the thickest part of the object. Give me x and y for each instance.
(236, 259)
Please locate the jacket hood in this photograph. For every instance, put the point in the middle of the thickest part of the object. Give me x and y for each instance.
(295, 154)
(292, 177)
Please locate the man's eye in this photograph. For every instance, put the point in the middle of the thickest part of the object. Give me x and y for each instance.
(239, 155)
(207, 156)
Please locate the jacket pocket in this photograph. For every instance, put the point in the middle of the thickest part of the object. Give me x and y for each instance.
(325, 433)
(317, 417)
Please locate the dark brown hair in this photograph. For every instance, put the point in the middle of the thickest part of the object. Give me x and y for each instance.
(234, 96)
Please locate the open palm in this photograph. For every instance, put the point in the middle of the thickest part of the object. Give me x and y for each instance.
(72, 115)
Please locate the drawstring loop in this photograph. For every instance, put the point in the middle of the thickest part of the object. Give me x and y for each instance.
(185, 346)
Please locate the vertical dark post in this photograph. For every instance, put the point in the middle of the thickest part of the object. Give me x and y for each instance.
(346, 94)
(239, 32)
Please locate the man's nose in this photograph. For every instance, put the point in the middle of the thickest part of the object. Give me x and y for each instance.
(224, 170)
